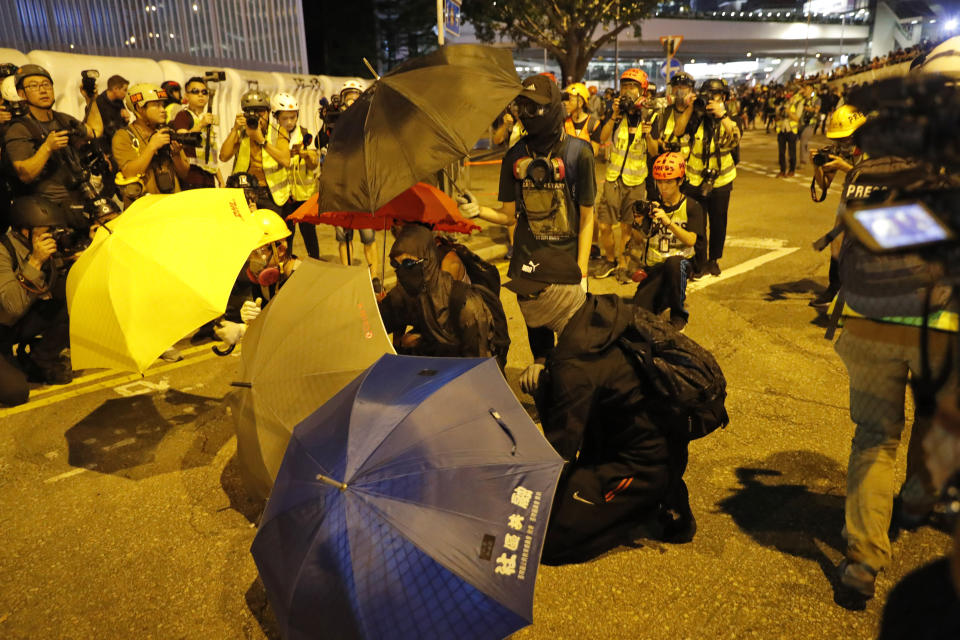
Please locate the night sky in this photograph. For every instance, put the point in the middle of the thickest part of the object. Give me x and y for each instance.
(340, 34)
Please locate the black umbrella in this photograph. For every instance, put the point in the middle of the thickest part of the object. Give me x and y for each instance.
(420, 117)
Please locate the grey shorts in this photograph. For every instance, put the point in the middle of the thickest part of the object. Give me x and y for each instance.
(616, 205)
(367, 236)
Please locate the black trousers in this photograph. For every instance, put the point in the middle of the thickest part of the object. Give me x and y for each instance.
(787, 143)
(593, 514)
(45, 327)
(307, 230)
(715, 208)
(663, 288)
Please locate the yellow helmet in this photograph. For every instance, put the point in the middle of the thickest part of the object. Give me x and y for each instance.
(579, 89)
(141, 93)
(845, 120)
(274, 228)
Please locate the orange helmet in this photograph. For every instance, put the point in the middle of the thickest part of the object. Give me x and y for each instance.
(549, 74)
(636, 75)
(669, 166)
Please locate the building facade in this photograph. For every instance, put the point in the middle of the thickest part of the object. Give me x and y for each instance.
(265, 35)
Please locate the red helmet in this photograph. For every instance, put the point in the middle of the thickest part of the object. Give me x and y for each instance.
(669, 166)
(636, 75)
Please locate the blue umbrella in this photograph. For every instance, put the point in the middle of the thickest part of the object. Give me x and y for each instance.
(413, 504)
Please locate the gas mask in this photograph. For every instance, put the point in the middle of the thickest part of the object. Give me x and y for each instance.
(539, 170)
(265, 266)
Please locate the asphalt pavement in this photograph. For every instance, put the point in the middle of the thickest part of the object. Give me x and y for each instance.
(124, 517)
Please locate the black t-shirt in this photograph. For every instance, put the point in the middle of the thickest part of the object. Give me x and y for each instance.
(20, 145)
(583, 194)
(110, 115)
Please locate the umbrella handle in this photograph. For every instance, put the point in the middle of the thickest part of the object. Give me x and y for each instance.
(503, 425)
(224, 352)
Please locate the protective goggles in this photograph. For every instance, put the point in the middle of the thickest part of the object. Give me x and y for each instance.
(406, 263)
(529, 109)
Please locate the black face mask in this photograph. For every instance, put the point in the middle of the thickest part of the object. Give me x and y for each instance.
(411, 279)
(545, 129)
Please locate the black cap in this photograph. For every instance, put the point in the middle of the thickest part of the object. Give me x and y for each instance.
(540, 89)
(545, 266)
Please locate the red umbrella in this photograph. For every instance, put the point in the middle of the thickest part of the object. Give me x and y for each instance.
(420, 203)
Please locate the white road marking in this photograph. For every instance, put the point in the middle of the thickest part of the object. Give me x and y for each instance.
(739, 269)
(69, 474)
(126, 442)
(756, 243)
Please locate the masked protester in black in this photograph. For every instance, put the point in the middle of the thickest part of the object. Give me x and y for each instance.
(422, 302)
(622, 471)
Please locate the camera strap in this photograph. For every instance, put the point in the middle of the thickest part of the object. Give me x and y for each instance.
(813, 191)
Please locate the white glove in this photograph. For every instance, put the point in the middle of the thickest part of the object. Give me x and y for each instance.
(530, 378)
(469, 207)
(583, 283)
(250, 310)
(230, 332)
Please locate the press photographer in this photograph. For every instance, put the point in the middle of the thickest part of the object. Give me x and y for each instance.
(631, 126)
(107, 113)
(711, 168)
(34, 257)
(147, 147)
(197, 118)
(841, 156)
(897, 264)
(260, 147)
(45, 146)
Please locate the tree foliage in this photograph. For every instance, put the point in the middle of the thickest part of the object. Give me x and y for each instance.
(572, 31)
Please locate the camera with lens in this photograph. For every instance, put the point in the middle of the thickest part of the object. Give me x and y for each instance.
(643, 208)
(252, 118)
(822, 156)
(88, 81)
(84, 159)
(709, 177)
(70, 241)
(190, 139)
(671, 146)
(214, 76)
(331, 110)
(628, 106)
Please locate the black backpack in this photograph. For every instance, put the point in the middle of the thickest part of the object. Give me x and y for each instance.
(485, 281)
(686, 385)
(892, 284)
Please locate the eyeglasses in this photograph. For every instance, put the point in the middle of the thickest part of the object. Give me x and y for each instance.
(198, 92)
(36, 86)
(406, 263)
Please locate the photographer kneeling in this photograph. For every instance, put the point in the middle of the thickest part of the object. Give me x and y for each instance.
(147, 147)
(34, 258)
(661, 247)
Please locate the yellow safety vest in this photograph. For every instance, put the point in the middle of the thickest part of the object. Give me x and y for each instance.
(583, 134)
(728, 170)
(633, 160)
(278, 178)
(303, 181)
(668, 136)
(795, 105)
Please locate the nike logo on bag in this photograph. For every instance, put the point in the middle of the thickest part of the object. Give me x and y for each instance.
(576, 496)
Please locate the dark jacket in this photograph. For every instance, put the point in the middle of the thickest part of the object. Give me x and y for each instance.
(429, 312)
(592, 401)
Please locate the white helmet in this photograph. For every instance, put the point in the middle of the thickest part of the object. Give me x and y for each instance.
(8, 89)
(351, 85)
(283, 101)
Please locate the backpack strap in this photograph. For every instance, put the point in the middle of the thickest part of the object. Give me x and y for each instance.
(458, 299)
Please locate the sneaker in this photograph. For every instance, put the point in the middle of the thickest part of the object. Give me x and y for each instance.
(58, 374)
(790, 174)
(604, 269)
(377, 286)
(623, 277)
(824, 299)
(782, 174)
(171, 355)
(713, 268)
(678, 323)
(859, 577)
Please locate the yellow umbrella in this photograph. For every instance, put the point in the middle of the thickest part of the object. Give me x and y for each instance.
(160, 270)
